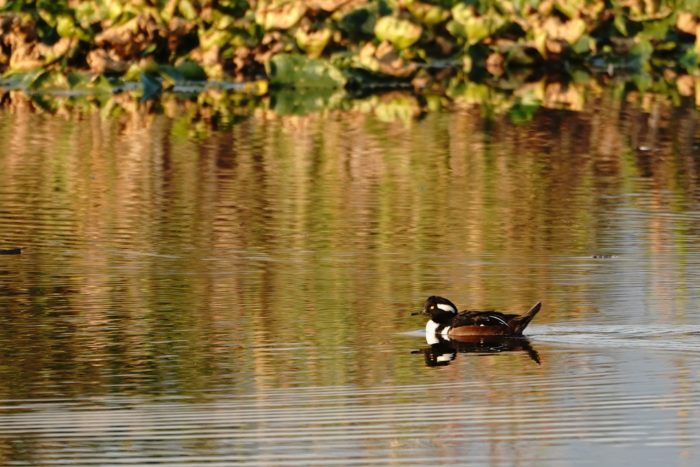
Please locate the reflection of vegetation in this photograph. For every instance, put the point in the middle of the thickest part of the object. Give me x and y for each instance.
(147, 252)
(205, 108)
(428, 45)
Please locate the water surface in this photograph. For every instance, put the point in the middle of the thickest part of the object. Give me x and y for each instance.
(245, 297)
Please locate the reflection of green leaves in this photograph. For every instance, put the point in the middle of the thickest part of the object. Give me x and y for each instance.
(298, 71)
(293, 102)
(522, 113)
(397, 107)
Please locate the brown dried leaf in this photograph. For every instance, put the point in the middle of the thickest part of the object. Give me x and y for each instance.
(685, 85)
(554, 46)
(494, 64)
(279, 14)
(328, 5)
(558, 95)
(569, 31)
(131, 37)
(102, 61)
(176, 30)
(687, 23)
(25, 57)
(385, 59)
(51, 53)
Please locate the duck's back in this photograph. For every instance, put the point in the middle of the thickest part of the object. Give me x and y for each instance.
(491, 322)
(482, 318)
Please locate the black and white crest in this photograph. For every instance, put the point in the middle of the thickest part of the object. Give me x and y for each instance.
(440, 309)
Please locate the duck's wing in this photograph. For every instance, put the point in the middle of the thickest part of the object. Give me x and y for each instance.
(516, 323)
(482, 318)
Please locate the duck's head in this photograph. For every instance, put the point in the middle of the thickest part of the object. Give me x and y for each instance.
(440, 309)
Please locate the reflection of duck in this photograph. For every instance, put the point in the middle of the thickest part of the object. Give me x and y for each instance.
(446, 322)
(443, 351)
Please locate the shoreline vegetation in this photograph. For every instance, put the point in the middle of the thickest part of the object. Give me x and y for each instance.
(302, 56)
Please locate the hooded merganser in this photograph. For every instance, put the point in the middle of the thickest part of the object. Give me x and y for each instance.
(447, 322)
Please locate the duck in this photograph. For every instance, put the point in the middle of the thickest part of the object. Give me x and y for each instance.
(448, 323)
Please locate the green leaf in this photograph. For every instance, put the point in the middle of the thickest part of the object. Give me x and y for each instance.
(314, 42)
(427, 14)
(570, 8)
(358, 23)
(114, 8)
(39, 80)
(187, 10)
(152, 87)
(170, 74)
(191, 71)
(620, 23)
(401, 33)
(101, 85)
(76, 80)
(657, 29)
(690, 60)
(212, 38)
(583, 45)
(473, 28)
(640, 54)
(65, 27)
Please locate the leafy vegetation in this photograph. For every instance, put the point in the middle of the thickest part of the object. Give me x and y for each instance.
(430, 47)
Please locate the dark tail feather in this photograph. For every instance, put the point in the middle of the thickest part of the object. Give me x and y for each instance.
(520, 323)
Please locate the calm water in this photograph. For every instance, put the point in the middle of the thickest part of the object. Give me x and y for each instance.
(245, 297)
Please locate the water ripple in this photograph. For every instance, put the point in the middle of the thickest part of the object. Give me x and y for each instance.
(314, 425)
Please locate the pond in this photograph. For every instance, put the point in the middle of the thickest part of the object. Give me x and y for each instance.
(245, 296)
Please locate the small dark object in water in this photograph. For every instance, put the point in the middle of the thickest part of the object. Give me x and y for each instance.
(604, 256)
(11, 251)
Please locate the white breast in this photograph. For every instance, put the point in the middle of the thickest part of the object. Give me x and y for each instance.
(431, 328)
